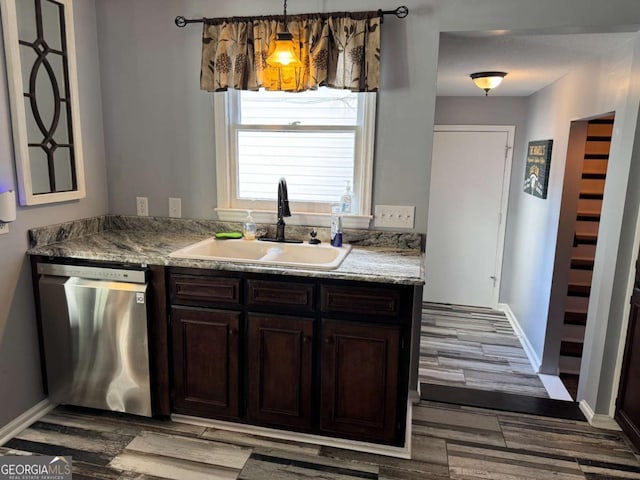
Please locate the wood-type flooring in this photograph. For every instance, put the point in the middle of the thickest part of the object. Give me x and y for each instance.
(474, 348)
(449, 442)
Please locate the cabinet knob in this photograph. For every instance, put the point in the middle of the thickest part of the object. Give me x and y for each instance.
(232, 332)
(328, 340)
(305, 339)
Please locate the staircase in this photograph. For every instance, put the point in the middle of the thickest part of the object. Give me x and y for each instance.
(585, 238)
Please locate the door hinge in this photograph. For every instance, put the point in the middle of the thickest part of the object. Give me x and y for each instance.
(499, 218)
(495, 279)
(506, 151)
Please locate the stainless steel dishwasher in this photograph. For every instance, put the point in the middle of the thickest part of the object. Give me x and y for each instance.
(94, 335)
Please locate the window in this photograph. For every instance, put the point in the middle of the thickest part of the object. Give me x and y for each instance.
(317, 140)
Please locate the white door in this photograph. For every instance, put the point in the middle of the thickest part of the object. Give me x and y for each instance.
(468, 194)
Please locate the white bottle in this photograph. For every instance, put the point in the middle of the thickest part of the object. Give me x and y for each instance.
(345, 200)
(335, 222)
(249, 227)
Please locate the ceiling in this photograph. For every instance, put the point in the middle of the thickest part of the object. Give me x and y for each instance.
(531, 61)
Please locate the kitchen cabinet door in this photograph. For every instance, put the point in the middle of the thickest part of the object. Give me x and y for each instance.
(279, 362)
(206, 354)
(359, 380)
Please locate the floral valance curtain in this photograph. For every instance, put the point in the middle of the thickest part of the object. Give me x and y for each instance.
(339, 50)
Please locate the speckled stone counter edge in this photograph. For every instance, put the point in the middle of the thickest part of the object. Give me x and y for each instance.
(42, 236)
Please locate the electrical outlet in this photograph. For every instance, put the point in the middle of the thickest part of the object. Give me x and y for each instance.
(4, 228)
(394, 216)
(175, 207)
(142, 206)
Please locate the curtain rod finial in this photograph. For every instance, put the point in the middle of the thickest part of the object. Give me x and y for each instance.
(402, 11)
(399, 12)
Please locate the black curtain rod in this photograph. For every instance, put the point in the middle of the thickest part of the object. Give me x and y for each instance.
(399, 12)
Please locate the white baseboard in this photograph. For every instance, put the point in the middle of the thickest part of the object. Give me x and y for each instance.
(598, 420)
(524, 341)
(387, 450)
(554, 387)
(23, 421)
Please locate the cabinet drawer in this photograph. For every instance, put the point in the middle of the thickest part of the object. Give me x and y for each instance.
(366, 300)
(292, 295)
(193, 289)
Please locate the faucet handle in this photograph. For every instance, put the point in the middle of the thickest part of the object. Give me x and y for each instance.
(313, 240)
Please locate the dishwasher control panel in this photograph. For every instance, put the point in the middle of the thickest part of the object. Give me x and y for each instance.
(94, 273)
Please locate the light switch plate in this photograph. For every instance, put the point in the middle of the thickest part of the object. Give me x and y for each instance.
(142, 206)
(394, 216)
(4, 228)
(175, 207)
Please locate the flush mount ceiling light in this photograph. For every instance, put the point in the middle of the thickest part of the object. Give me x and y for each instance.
(487, 80)
(284, 54)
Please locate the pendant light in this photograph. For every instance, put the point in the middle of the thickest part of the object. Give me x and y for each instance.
(284, 54)
(487, 80)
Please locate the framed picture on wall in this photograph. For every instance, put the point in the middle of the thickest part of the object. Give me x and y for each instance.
(536, 173)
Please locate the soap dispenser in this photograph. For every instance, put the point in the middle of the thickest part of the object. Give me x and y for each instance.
(336, 226)
(345, 200)
(249, 227)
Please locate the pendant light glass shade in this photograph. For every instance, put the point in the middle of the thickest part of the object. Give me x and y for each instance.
(284, 54)
(487, 80)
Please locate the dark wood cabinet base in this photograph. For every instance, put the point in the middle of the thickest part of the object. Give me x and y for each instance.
(206, 350)
(359, 389)
(279, 370)
(310, 355)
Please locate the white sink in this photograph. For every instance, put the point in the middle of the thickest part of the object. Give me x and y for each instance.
(320, 257)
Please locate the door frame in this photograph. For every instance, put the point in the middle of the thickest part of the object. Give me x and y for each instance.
(504, 195)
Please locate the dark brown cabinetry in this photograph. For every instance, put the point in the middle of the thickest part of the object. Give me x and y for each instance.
(305, 354)
(361, 300)
(627, 405)
(190, 290)
(206, 369)
(279, 367)
(289, 295)
(359, 379)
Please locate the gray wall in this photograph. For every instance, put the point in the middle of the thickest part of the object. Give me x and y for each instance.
(534, 226)
(159, 126)
(617, 244)
(20, 383)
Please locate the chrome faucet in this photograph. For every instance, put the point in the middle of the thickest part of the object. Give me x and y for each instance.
(283, 209)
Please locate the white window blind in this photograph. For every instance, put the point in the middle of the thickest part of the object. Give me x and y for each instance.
(307, 138)
(316, 164)
(317, 140)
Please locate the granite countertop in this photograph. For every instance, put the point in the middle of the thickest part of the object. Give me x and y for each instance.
(120, 239)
